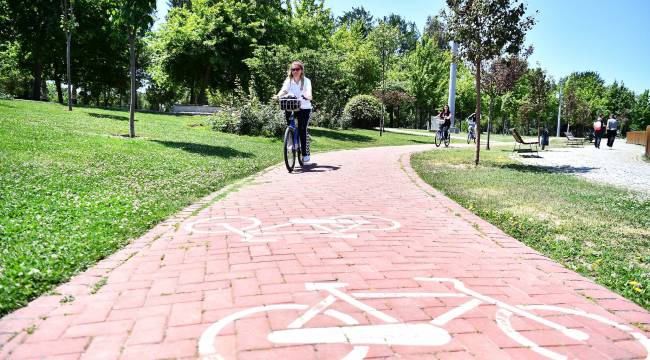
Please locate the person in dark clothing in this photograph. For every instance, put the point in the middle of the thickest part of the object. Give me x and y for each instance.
(598, 131)
(612, 124)
(445, 115)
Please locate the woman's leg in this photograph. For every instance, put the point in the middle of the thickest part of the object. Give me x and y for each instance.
(303, 121)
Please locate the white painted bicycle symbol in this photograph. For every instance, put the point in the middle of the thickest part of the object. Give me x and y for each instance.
(250, 229)
(392, 332)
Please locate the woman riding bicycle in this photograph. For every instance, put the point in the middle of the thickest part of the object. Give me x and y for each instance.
(299, 86)
(445, 115)
(471, 124)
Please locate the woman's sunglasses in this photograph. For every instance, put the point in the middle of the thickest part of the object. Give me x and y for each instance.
(296, 69)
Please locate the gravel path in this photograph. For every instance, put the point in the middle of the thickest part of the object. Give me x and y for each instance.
(623, 165)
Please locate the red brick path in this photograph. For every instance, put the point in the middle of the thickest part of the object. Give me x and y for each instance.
(166, 288)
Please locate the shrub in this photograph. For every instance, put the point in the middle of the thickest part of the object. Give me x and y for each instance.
(345, 121)
(275, 122)
(225, 121)
(252, 118)
(325, 119)
(362, 111)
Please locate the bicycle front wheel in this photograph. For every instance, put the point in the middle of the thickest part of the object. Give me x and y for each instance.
(437, 139)
(574, 327)
(289, 149)
(469, 137)
(217, 343)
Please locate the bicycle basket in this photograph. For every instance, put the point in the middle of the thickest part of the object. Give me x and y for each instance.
(290, 104)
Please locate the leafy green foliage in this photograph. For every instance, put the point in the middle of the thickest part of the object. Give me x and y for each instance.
(362, 111)
(597, 230)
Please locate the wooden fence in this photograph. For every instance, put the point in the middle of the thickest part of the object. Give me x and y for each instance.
(636, 137)
(640, 138)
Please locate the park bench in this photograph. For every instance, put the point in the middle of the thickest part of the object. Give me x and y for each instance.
(519, 142)
(572, 140)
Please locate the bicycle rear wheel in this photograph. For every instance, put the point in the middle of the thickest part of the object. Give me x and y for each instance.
(447, 139)
(289, 149)
(469, 137)
(437, 139)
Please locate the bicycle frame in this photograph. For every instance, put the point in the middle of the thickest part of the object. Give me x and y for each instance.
(395, 332)
(340, 226)
(411, 335)
(294, 127)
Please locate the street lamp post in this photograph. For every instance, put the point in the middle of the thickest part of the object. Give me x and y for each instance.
(559, 110)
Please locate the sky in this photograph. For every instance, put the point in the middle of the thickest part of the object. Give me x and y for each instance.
(611, 37)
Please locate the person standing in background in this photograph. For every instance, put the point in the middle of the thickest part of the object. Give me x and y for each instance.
(612, 124)
(598, 131)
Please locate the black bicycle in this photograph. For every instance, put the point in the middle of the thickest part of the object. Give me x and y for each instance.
(292, 147)
(441, 135)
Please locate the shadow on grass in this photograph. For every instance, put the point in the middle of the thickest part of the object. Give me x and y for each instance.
(203, 149)
(334, 135)
(109, 116)
(422, 142)
(565, 169)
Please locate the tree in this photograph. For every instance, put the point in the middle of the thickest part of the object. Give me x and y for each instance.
(620, 100)
(135, 17)
(36, 28)
(641, 111)
(485, 29)
(540, 87)
(428, 77)
(386, 39)
(500, 77)
(312, 24)
(205, 47)
(409, 33)
(68, 23)
(436, 29)
(180, 3)
(357, 15)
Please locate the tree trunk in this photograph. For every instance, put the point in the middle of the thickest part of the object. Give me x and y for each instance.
(36, 86)
(44, 92)
(192, 97)
(489, 128)
(478, 112)
(59, 91)
(203, 99)
(68, 71)
(133, 89)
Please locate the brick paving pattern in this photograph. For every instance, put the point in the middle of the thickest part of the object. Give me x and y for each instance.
(167, 289)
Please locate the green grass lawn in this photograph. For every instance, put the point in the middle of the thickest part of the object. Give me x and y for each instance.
(600, 231)
(73, 189)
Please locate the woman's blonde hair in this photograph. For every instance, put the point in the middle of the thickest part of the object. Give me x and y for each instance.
(302, 72)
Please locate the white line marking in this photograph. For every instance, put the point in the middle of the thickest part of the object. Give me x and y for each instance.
(387, 334)
(503, 321)
(405, 295)
(347, 319)
(207, 351)
(313, 311)
(456, 312)
(332, 289)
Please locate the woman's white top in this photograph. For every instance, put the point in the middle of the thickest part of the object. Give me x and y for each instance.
(293, 87)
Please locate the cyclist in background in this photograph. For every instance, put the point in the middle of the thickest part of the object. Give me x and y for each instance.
(298, 85)
(471, 123)
(445, 115)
